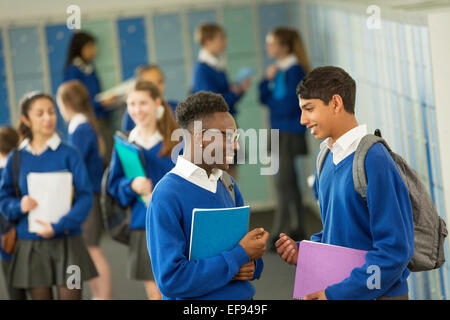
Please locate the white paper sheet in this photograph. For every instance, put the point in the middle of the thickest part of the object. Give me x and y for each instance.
(53, 193)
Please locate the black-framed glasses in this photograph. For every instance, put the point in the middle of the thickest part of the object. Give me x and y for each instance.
(230, 136)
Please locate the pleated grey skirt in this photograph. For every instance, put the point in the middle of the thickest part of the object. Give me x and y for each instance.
(139, 264)
(50, 262)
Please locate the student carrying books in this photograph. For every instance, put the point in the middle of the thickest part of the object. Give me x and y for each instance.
(382, 225)
(42, 259)
(154, 125)
(9, 140)
(75, 107)
(196, 182)
(277, 92)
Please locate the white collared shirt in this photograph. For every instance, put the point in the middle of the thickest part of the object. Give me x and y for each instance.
(287, 62)
(78, 119)
(145, 143)
(3, 162)
(52, 143)
(83, 66)
(346, 144)
(217, 62)
(196, 175)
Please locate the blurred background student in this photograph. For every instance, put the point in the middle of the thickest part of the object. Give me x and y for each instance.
(277, 91)
(209, 72)
(42, 259)
(154, 74)
(80, 66)
(75, 107)
(154, 125)
(9, 139)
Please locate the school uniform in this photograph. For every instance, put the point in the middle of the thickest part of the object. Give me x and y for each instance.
(5, 258)
(84, 138)
(383, 225)
(128, 123)
(119, 186)
(209, 75)
(40, 262)
(168, 224)
(280, 96)
(86, 74)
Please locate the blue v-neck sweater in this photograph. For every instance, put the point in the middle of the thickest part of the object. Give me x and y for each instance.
(168, 228)
(383, 226)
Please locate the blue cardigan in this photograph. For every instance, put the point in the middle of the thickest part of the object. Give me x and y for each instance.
(206, 78)
(64, 158)
(383, 226)
(281, 98)
(168, 228)
(72, 72)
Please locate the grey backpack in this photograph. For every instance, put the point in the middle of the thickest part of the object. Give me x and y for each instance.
(429, 228)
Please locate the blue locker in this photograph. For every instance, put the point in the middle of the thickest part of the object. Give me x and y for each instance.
(4, 104)
(167, 32)
(58, 39)
(25, 51)
(270, 16)
(133, 45)
(195, 18)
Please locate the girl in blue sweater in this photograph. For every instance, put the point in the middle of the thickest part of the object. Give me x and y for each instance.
(277, 91)
(80, 66)
(75, 107)
(45, 258)
(154, 125)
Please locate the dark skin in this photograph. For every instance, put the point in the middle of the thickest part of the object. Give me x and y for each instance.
(254, 242)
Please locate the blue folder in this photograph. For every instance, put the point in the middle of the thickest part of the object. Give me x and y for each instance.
(214, 231)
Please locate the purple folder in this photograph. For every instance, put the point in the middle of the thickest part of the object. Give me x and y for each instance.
(320, 265)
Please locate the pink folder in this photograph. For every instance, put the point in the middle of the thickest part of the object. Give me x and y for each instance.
(320, 265)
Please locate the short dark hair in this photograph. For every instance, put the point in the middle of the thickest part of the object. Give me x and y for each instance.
(9, 139)
(197, 106)
(323, 82)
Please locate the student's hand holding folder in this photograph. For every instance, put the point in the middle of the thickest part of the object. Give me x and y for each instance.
(27, 204)
(287, 249)
(254, 243)
(142, 185)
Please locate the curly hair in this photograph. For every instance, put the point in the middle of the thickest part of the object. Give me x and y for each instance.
(197, 106)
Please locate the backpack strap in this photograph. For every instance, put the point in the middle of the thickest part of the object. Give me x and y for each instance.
(323, 152)
(229, 185)
(15, 158)
(359, 170)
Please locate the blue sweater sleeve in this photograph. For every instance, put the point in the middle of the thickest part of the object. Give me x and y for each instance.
(391, 227)
(204, 82)
(178, 277)
(288, 105)
(83, 200)
(119, 186)
(9, 204)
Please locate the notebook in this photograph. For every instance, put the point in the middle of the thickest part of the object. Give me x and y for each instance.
(53, 192)
(130, 158)
(320, 265)
(243, 74)
(214, 231)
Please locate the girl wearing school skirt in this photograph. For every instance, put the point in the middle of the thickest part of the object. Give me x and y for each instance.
(55, 256)
(75, 108)
(154, 125)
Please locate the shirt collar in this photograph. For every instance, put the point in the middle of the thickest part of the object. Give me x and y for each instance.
(217, 62)
(78, 119)
(52, 143)
(187, 169)
(346, 140)
(148, 143)
(83, 66)
(287, 62)
(3, 162)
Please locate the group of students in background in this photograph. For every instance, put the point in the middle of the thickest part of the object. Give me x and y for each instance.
(39, 261)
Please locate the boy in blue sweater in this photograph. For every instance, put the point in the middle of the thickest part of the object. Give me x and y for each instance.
(194, 183)
(383, 225)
